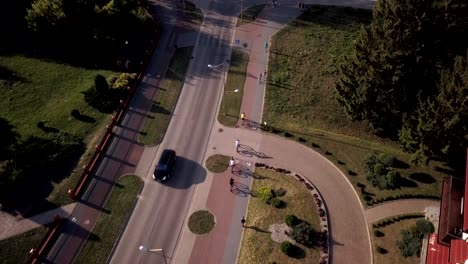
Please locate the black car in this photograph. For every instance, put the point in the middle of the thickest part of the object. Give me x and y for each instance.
(165, 165)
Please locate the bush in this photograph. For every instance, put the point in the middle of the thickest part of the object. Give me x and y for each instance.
(292, 220)
(304, 234)
(410, 244)
(265, 194)
(75, 113)
(276, 202)
(379, 169)
(100, 84)
(381, 250)
(378, 233)
(41, 124)
(370, 162)
(392, 178)
(387, 160)
(287, 248)
(424, 227)
(280, 192)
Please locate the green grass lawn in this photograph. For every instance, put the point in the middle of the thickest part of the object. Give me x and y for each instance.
(257, 246)
(250, 14)
(388, 242)
(300, 97)
(166, 98)
(16, 249)
(229, 111)
(111, 221)
(33, 90)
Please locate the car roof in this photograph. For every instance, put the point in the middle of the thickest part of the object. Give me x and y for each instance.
(165, 156)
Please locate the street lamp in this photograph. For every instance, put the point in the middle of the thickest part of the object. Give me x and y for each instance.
(224, 100)
(142, 248)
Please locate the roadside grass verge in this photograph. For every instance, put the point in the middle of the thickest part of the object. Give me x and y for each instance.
(229, 111)
(111, 221)
(34, 90)
(391, 234)
(16, 249)
(217, 163)
(300, 100)
(248, 15)
(193, 13)
(166, 98)
(257, 246)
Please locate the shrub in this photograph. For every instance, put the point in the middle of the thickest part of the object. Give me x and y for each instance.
(392, 178)
(304, 234)
(292, 220)
(100, 84)
(387, 160)
(379, 169)
(378, 233)
(424, 227)
(75, 113)
(265, 194)
(276, 202)
(370, 162)
(287, 248)
(381, 250)
(410, 243)
(280, 192)
(41, 124)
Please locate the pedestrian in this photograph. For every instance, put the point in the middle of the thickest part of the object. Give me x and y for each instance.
(231, 183)
(231, 164)
(243, 222)
(243, 117)
(264, 73)
(237, 145)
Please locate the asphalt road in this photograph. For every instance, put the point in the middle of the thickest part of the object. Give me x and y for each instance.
(158, 218)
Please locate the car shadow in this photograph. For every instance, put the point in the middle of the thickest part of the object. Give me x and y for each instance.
(186, 173)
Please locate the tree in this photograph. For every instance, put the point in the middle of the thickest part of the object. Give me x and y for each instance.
(389, 65)
(424, 227)
(410, 244)
(439, 127)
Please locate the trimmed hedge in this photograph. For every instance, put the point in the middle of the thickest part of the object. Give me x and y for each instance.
(394, 219)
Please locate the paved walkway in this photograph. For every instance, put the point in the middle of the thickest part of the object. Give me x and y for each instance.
(397, 207)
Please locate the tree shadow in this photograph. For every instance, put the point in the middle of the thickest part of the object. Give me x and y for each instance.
(9, 138)
(403, 182)
(297, 252)
(85, 118)
(9, 78)
(156, 108)
(422, 178)
(400, 164)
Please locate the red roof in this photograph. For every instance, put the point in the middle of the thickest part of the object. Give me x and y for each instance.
(458, 251)
(436, 253)
(465, 206)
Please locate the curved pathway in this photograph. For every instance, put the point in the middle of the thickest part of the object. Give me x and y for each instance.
(405, 206)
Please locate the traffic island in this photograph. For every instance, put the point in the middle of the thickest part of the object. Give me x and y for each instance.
(217, 163)
(201, 222)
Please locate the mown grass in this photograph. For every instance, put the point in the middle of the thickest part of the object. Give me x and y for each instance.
(217, 163)
(111, 221)
(257, 246)
(33, 90)
(201, 222)
(166, 98)
(250, 14)
(16, 249)
(388, 242)
(229, 111)
(300, 98)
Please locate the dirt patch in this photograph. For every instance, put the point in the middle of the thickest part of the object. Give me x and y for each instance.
(279, 232)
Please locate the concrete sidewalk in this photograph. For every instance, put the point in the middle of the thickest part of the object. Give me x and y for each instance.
(405, 206)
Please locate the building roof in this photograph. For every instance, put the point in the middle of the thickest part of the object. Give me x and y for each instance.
(436, 252)
(458, 251)
(465, 205)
